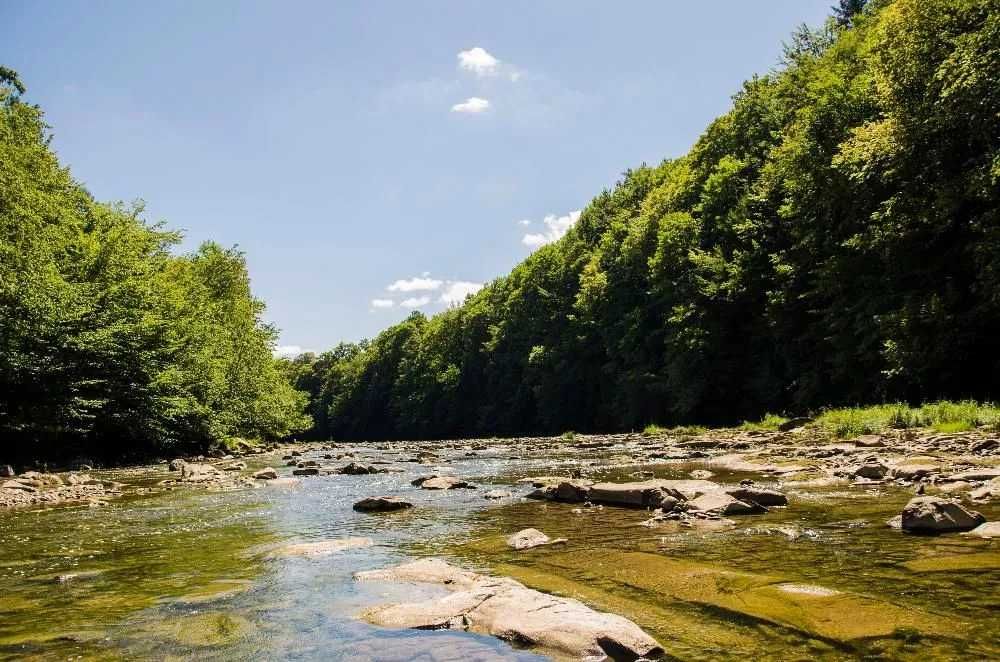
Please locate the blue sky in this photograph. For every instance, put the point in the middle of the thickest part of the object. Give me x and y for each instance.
(373, 157)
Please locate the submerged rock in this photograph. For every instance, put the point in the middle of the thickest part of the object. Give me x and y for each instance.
(528, 538)
(323, 547)
(267, 473)
(497, 494)
(508, 610)
(928, 514)
(306, 471)
(381, 504)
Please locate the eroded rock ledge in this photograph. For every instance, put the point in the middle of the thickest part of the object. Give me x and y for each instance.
(508, 610)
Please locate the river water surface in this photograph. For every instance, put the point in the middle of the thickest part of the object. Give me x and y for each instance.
(191, 574)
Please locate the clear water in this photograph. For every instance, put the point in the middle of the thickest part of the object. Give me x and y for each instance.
(189, 574)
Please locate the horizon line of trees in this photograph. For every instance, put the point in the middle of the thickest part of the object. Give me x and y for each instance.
(832, 239)
(111, 345)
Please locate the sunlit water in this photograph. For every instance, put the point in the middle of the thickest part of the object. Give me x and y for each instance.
(191, 574)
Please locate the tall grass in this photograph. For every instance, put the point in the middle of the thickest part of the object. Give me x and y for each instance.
(943, 416)
(770, 423)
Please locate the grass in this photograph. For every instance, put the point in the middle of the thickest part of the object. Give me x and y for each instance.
(944, 416)
(770, 423)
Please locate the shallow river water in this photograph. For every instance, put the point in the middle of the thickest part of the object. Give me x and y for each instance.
(191, 574)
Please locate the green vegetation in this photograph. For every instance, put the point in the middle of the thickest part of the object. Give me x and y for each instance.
(833, 239)
(769, 423)
(942, 416)
(109, 343)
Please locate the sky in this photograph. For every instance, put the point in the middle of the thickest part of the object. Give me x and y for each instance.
(372, 158)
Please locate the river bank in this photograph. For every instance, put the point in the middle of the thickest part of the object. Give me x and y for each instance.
(208, 560)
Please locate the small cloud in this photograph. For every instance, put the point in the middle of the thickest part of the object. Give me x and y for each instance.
(471, 105)
(525, 222)
(415, 302)
(457, 290)
(479, 61)
(515, 76)
(415, 284)
(556, 227)
(382, 303)
(288, 351)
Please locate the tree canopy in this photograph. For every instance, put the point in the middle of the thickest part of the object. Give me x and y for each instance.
(110, 344)
(832, 239)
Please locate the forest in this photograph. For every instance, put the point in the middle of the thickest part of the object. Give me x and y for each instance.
(833, 239)
(111, 344)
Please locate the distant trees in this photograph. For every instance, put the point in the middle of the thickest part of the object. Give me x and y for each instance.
(109, 343)
(834, 238)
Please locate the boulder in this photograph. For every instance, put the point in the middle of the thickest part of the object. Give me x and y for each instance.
(17, 485)
(759, 496)
(508, 610)
(497, 494)
(872, 470)
(267, 473)
(720, 503)
(528, 538)
(928, 514)
(381, 504)
(176, 464)
(990, 490)
(355, 469)
(235, 466)
(306, 471)
(645, 494)
(199, 473)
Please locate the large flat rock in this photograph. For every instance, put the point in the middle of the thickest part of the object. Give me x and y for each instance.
(508, 610)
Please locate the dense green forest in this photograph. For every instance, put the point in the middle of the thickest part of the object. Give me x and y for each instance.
(833, 239)
(110, 344)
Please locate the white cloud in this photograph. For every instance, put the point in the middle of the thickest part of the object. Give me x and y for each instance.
(525, 222)
(415, 302)
(288, 351)
(382, 303)
(471, 105)
(457, 290)
(556, 227)
(478, 61)
(415, 284)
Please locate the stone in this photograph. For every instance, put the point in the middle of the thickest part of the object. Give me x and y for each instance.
(444, 483)
(720, 503)
(759, 495)
(975, 474)
(990, 490)
(355, 469)
(381, 504)
(323, 547)
(197, 473)
(914, 470)
(235, 466)
(701, 474)
(872, 470)
(869, 441)
(928, 514)
(497, 494)
(267, 473)
(17, 485)
(7, 471)
(176, 464)
(985, 530)
(645, 494)
(528, 538)
(508, 610)
(306, 471)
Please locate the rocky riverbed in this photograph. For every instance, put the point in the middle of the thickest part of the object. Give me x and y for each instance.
(725, 544)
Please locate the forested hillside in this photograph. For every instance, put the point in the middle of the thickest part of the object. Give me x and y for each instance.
(111, 345)
(834, 238)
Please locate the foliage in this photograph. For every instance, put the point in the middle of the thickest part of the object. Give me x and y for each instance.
(942, 416)
(833, 239)
(109, 343)
(770, 423)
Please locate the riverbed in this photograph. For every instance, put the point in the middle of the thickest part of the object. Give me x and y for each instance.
(190, 573)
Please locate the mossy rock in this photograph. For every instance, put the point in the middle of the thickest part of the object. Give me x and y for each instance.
(203, 630)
